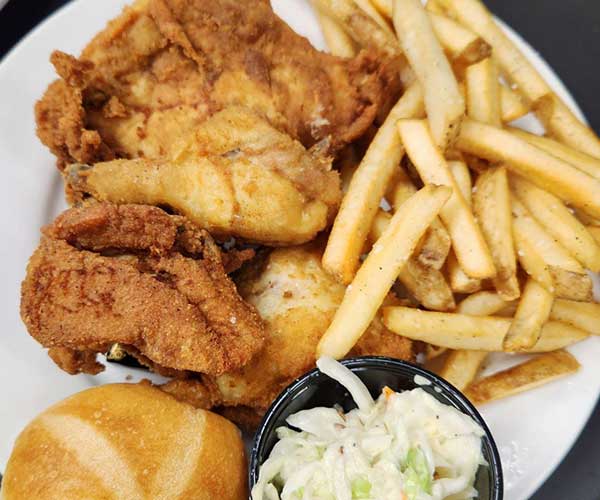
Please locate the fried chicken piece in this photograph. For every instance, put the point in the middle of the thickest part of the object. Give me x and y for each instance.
(238, 177)
(157, 71)
(297, 300)
(135, 275)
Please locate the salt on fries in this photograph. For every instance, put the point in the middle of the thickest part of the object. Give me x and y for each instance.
(367, 187)
(520, 211)
(380, 269)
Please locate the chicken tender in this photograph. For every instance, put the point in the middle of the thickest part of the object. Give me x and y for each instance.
(163, 66)
(297, 300)
(238, 177)
(135, 275)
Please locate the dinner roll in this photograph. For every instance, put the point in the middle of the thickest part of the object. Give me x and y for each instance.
(126, 441)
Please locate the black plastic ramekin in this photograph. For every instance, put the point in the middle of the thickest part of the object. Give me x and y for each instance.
(317, 389)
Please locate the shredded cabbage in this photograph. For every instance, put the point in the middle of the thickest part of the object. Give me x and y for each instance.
(405, 446)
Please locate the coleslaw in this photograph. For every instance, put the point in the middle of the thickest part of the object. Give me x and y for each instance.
(403, 446)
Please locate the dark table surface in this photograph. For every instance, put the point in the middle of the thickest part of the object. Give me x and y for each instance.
(567, 35)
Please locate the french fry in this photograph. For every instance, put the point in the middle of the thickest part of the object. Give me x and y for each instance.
(435, 7)
(384, 7)
(436, 242)
(546, 171)
(434, 351)
(467, 241)
(558, 221)
(583, 162)
(462, 177)
(556, 116)
(462, 45)
(511, 105)
(482, 303)
(532, 312)
(474, 15)
(563, 125)
(361, 26)
(595, 232)
(528, 375)
(460, 331)
(461, 367)
(380, 269)
(366, 189)
(374, 14)
(545, 260)
(483, 92)
(492, 208)
(584, 315)
(426, 284)
(443, 101)
(458, 280)
(338, 41)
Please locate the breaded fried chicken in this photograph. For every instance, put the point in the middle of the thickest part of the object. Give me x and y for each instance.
(135, 275)
(297, 300)
(163, 66)
(238, 176)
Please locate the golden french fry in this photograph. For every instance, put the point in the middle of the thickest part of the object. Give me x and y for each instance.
(462, 45)
(361, 26)
(584, 315)
(556, 116)
(468, 243)
(366, 189)
(482, 303)
(595, 232)
(583, 162)
(426, 284)
(443, 101)
(570, 285)
(380, 269)
(435, 7)
(546, 171)
(528, 375)
(558, 221)
(461, 175)
(523, 377)
(511, 105)
(563, 125)
(492, 208)
(553, 253)
(483, 92)
(338, 41)
(474, 15)
(384, 7)
(459, 281)
(461, 331)
(436, 242)
(532, 312)
(461, 367)
(374, 14)
(434, 351)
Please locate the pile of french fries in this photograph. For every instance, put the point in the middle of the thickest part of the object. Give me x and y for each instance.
(494, 251)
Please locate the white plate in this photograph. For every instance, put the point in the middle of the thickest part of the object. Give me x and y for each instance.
(534, 431)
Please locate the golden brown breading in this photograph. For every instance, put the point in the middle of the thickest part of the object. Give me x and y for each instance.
(238, 177)
(152, 281)
(297, 300)
(163, 66)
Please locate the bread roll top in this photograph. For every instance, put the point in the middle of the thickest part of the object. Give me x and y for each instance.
(126, 441)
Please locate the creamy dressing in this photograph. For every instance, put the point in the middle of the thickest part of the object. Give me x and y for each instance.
(404, 446)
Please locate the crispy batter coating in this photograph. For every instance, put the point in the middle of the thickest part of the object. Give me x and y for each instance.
(297, 299)
(238, 177)
(135, 275)
(163, 66)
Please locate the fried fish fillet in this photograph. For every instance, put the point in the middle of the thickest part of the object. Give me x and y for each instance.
(157, 71)
(135, 275)
(238, 176)
(297, 300)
